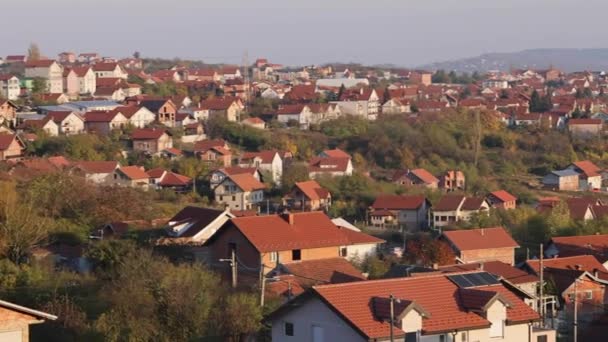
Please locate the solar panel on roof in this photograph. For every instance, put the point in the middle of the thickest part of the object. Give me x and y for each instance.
(473, 279)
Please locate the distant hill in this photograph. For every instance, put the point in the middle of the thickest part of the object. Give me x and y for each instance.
(567, 60)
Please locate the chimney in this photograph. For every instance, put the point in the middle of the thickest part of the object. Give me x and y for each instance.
(481, 266)
(596, 273)
(577, 267)
(435, 266)
(482, 232)
(288, 217)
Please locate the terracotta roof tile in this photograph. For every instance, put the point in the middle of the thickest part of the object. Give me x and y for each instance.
(596, 245)
(436, 294)
(147, 134)
(311, 190)
(246, 182)
(266, 156)
(336, 153)
(134, 172)
(449, 203)
(398, 202)
(98, 166)
(504, 196)
(309, 230)
(323, 271)
(484, 238)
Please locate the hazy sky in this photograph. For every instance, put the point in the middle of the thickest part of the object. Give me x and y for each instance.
(403, 32)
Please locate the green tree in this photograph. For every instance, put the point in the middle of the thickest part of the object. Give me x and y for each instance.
(38, 85)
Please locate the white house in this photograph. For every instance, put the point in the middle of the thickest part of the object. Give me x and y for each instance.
(49, 70)
(433, 308)
(240, 192)
(68, 122)
(87, 81)
(103, 70)
(10, 87)
(269, 161)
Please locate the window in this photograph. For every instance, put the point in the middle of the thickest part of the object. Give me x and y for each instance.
(274, 256)
(221, 198)
(296, 254)
(589, 295)
(288, 329)
(411, 337)
(442, 338)
(463, 336)
(497, 328)
(234, 198)
(343, 251)
(541, 338)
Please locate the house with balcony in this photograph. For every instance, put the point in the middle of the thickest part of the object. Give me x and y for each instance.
(240, 192)
(308, 196)
(454, 208)
(10, 87)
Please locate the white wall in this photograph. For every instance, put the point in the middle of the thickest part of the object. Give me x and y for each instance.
(314, 313)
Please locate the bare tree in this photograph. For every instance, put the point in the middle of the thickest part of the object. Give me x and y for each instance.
(33, 53)
(21, 228)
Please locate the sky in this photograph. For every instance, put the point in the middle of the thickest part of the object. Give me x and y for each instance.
(297, 32)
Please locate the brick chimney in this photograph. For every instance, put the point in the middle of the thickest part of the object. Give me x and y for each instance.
(288, 217)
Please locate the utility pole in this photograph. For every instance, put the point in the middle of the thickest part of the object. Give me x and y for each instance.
(575, 323)
(392, 319)
(263, 291)
(234, 267)
(542, 286)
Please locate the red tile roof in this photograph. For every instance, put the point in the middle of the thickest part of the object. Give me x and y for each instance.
(425, 176)
(99, 116)
(204, 145)
(6, 140)
(436, 294)
(217, 103)
(98, 166)
(309, 230)
(449, 203)
(398, 202)
(235, 170)
(175, 179)
(584, 122)
(104, 66)
(59, 116)
(579, 262)
(134, 172)
(323, 271)
(312, 190)
(147, 134)
(336, 153)
(587, 167)
(246, 182)
(484, 238)
(43, 63)
(596, 245)
(266, 156)
(504, 196)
